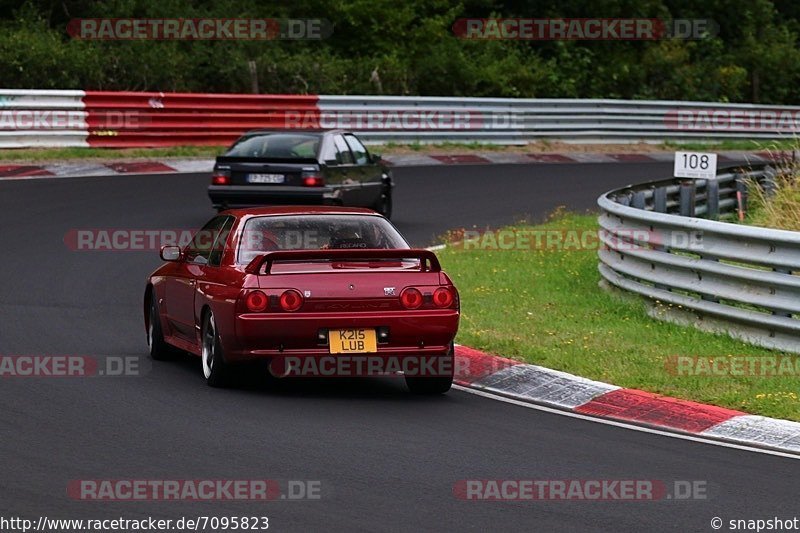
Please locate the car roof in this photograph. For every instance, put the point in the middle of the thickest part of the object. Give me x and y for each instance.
(299, 210)
(290, 131)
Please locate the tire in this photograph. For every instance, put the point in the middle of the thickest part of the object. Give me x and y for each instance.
(384, 203)
(432, 385)
(215, 370)
(159, 349)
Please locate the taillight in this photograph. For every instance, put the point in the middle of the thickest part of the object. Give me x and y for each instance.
(312, 179)
(291, 300)
(443, 297)
(221, 177)
(411, 298)
(256, 301)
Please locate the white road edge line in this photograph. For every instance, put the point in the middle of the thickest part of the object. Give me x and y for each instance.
(624, 425)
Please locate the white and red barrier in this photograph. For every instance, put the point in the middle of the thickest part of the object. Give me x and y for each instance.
(128, 119)
(138, 119)
(30, 118)
(148, 119)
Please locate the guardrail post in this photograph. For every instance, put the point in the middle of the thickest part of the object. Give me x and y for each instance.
(782, 271)
(688, 191)
(708, 297)
(638, 200)
(712, 199)
(769, 182)
(660, 246)
(660, 200)
(741, 195)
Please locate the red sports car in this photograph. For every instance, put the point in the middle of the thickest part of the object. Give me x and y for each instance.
(328, 291)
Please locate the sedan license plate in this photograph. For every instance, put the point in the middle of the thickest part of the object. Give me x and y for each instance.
(266, 178)
(352, 341)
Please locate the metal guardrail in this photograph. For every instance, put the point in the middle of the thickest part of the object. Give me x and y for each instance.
(718, 275)
(41, 118)
(133, 119)
(509, 120)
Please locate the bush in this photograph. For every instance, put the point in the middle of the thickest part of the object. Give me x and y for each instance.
(390, 47)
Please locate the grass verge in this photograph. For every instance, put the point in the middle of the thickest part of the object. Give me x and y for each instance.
(545, 307)
(545, 145)
(391, 148)
(733, 145)
(780, 208)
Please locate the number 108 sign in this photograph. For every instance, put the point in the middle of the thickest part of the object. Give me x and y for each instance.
(695, 165)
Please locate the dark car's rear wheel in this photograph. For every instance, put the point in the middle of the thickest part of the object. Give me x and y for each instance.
(384, 203)
(159, 349)
(215, 370)
(437, 384)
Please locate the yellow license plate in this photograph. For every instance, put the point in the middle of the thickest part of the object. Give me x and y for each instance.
(352, 341)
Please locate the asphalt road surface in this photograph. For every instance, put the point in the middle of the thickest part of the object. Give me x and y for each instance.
(385, 460)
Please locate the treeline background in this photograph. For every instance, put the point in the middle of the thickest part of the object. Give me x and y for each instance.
(406, 47)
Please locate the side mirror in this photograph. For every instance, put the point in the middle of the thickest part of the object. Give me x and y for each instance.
(376, 158)
(170, 253)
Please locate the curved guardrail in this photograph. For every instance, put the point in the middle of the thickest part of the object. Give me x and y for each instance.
(717, 275)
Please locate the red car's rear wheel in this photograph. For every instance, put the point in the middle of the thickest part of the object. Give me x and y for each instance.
(159, 349)
(215, 370)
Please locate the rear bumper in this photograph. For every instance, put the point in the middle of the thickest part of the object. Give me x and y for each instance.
(412, 334)
(233, 196)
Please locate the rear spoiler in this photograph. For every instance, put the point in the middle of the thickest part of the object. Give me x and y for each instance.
(428, 260)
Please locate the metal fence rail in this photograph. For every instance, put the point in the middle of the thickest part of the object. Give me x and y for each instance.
(718, 275)
(34, 118)
(508, 120)
(131, 119)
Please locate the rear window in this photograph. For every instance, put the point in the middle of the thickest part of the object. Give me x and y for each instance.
(316, 232)
(277, 146)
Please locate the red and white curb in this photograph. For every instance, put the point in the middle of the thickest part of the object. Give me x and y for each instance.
(88, 168)
(560, 390)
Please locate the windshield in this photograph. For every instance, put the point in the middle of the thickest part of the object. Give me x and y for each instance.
(277, 146)
(316, 232)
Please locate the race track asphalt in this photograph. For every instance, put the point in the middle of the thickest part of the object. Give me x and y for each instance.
(386, 460)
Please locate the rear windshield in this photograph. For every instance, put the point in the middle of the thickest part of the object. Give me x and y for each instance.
(316, 232)
(277, 146)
